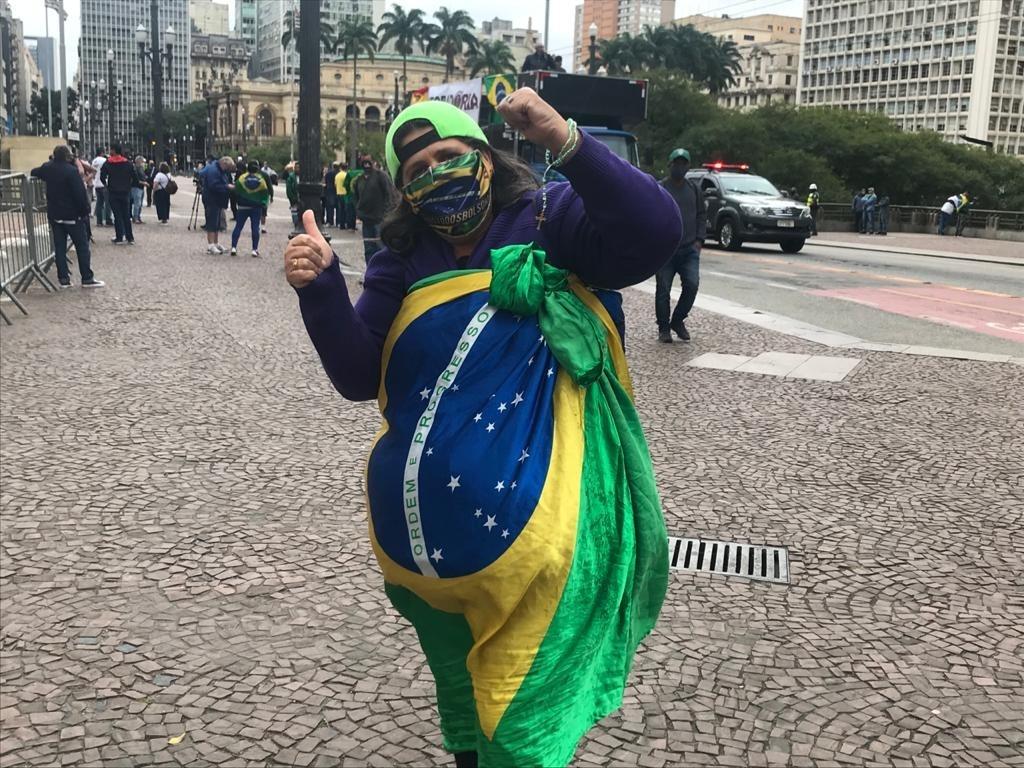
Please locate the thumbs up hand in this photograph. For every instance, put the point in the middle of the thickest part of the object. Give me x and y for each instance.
(307, 255)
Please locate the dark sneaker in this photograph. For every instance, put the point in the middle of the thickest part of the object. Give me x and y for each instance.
(94, 283)
(664, 337)
(131, 242)
(65, 284)
(681, 332)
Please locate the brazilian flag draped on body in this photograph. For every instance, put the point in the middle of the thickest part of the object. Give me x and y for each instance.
(513, 507)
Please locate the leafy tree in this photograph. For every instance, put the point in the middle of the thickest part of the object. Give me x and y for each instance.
(408, 30)
(355, 38)
(451, 36)
(492, 57)
(290, 35)
(39, 115)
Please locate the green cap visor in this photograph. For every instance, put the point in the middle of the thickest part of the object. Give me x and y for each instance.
(677, 153)
(449, 122)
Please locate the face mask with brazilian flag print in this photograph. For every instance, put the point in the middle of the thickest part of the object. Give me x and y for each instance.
(454, 197)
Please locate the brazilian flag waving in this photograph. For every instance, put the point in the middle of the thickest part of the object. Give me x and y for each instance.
(513, 508)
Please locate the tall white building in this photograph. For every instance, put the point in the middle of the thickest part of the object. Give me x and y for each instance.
(270, 59)
(955, 67)
(519, 40)
(110, 25)
(209, 18)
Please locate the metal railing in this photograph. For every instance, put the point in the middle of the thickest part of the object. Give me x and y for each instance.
(26, 241)
(924, 218)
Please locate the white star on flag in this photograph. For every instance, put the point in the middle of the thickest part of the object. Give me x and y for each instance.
(436, 556)
(478, 417)
(425, 393)
(551, 371)
(455, 387)
(490, 522)
(500, 486)
(530, 361)
(504, 533)
(525, 456)
(518, 399)
(514, 484)
(430, 451)
(455, 482)
(478, 513)
(502, 408)
(490, 427)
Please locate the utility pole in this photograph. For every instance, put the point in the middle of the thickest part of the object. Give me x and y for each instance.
(310, 180)
(156, 57)
(547, 23)
(58, 5)
(111, 95)
(49, 72)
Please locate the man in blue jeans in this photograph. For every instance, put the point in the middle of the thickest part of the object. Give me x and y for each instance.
(686, 260)
(374, 192)
(67, 208)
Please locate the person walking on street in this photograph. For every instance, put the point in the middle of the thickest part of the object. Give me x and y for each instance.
(217, 186)
(351, 177)
(814, 203)
(118, 174)
(375, 195)
(252, 191)
(340, 210)
(858, 211)
(162, 193)
(330, 194)
(67, 208)
(685, 262)
(265, 173)
(869, 201)
(103, 217)
(948, 211)
(291, 190)
(139, 186)
(151, 170)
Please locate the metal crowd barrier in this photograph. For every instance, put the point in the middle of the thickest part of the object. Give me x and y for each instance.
(26, 241)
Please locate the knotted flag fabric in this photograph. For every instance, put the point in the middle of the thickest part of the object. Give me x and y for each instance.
(513, 507)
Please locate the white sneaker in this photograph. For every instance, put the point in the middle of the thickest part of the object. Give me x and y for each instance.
(211, 248)
(255, 254)
(234, 251)
(263, 230)
(94, 283)
(219, 247)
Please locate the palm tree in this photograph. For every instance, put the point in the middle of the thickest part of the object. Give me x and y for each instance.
(290, 33)
(726, 65)
(407, 30)
(355, 38)
(625, 54)
(451, 37)
(493, 57)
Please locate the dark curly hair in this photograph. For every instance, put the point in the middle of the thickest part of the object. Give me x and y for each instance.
(401, 228)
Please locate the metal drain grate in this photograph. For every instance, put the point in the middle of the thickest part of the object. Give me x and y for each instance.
(729, 558)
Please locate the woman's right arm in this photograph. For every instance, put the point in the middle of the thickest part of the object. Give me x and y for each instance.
(350, 338)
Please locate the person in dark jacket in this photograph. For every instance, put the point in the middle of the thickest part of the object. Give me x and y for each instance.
(217, 188)
(118, 176)
(375, 195)
(67, 208)
(330, 194)
(539, 59)
(685, 262)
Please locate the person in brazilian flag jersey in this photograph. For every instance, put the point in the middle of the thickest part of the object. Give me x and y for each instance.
(512, 503)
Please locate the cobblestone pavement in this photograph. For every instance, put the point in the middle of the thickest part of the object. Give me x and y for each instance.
(186, 577)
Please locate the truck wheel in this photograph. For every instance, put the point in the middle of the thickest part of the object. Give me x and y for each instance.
(727, 235)
(792, 246)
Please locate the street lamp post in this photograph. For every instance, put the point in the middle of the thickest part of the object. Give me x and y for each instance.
(593, 48)
(157, 57)
(111, 106)
(397, 107)
(310, 180)
(245, 132)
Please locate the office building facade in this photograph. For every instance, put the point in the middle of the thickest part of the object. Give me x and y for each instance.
(519, 40)
(42, 51)
(270, 60)
(245, 22)
(769, 48)
(955, 67)
(208, 17)
(614, 18)
(110, 25)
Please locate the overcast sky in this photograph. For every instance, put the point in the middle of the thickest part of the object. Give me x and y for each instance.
(562, 13)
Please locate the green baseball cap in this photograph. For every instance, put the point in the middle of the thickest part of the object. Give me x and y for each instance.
(448, 121)
(677, 153)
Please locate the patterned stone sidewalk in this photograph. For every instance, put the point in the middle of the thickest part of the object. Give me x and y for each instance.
(186, 578)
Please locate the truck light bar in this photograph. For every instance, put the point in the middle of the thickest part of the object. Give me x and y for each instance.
(720, 166)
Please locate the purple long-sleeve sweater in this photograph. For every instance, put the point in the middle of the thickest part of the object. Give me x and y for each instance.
(612, 225)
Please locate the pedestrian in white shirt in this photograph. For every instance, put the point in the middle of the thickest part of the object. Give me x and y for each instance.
(104, 218)
(161, 195)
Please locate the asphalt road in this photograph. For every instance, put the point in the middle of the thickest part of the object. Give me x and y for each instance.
(880, 297)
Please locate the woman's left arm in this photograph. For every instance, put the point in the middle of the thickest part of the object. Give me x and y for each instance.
(613, 225)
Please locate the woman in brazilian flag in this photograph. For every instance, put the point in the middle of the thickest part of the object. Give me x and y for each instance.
(512, 503)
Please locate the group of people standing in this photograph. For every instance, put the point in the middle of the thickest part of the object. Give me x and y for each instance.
(119, 186)
(243, 185)
(870, 212)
